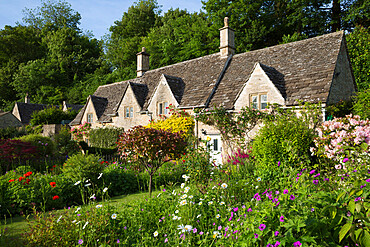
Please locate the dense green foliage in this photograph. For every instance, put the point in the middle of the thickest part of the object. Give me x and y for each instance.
(12, 132)
(104, 137)
(51, 115)
(64, 143)
(44, 144)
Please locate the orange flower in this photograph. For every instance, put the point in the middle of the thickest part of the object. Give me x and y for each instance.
(55, 197)
(52, 184)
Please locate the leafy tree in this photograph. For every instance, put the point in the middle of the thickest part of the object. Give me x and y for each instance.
(51, 115)
(52, 14)
(126, 35)
(181, 36)
(358, 43)
(149, 148)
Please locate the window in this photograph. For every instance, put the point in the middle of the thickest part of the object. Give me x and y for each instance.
(258, 101)
(129, 112)
(89, 118)
(162, 108)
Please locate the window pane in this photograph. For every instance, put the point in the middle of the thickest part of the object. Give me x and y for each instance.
(89, 118)
(215, 144)
(165, 107)
(263, 100)
(160, 111)
(127, 112)
(131, 112)
(254, 102)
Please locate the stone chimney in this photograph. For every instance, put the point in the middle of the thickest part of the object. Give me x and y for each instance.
(142, 62)
(227, 46)
(27, 99)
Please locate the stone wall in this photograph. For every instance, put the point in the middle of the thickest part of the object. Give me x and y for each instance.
(51, 129)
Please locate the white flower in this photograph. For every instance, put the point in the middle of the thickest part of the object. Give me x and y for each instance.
(218, 216)
(105, 189)
(87, 185)
(184, 196)
(190, 197)
(92, 197)
(199, 215)
(100, 174)
(99, 206)
(159, 194)
(224, 185)
(222, 203)
(78, 182)
(177, 211)
(200, 203)
(187, 228)
(186, 189)
(186, 177)
(259, 179)
(210, 202)
(155, 234)
(216, 234)
(85, 225)
(174, 217)
(77, 209)
(114, 216)
(74, 221)
(183, 202)
(86, 181)
(182, 185)
(180, 227)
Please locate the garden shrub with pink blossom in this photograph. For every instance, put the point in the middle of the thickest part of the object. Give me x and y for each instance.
(343, 137)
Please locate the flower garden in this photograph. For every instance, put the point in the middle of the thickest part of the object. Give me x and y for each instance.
(298, 183)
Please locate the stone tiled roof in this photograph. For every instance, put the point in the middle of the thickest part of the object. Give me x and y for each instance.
(74, 107)
(307, 67)
(26, 109)
(301, 70)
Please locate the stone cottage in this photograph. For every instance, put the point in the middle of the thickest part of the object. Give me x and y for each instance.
(312, 70)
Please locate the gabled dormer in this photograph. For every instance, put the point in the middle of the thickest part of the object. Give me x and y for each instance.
(265, 85)
(94, 109)
(169, 91)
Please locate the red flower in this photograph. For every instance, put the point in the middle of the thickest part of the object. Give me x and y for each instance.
(55, 197)
(20, 178)
(11, 180)
(27, 181)
(54, 166)
(27, 174)
(52, 184)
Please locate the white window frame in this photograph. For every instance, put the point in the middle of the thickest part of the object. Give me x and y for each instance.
(128, 112)
(90, 117)
(259, 103)
(162, 108)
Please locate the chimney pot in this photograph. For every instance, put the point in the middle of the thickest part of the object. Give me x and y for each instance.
(227, 45)
(142, 62)
(27, 99)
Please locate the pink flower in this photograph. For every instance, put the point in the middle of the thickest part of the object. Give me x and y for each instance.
(281, 218)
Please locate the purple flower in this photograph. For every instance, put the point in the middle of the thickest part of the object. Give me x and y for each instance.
(236, 209)
(368, 180)
(279, 163)
(249, 210)
(312, 172)
(255, 235)
(285, 191)
(80, 241)
(357, 199)
(292, 197)
(118, 241)
(201, 233)
(281, 218)
(166, 240)
(348, 214)
(345, 160)
(312, 209)
(318, 174)
(315, 181)
(296, 244)
(277, 244)
(276, 233)
(195, 230)
(262, 227)
(219, 227)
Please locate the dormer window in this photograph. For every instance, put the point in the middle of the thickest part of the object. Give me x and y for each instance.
(162, 108)
(258, 101)
(129, 112)
(89, 117)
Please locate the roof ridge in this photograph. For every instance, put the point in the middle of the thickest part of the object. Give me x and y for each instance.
(294, 42)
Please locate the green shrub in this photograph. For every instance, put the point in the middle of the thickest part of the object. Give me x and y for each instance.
(12, 132)
(45, 145)
(64, 143)
(80, 167)
(51, 115)
(287, 139)
(104, 137)
(361, 105)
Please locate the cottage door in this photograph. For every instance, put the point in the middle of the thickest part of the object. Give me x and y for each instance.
(215, 149)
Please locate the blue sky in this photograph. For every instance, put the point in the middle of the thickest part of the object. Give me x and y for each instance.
(97, 15)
